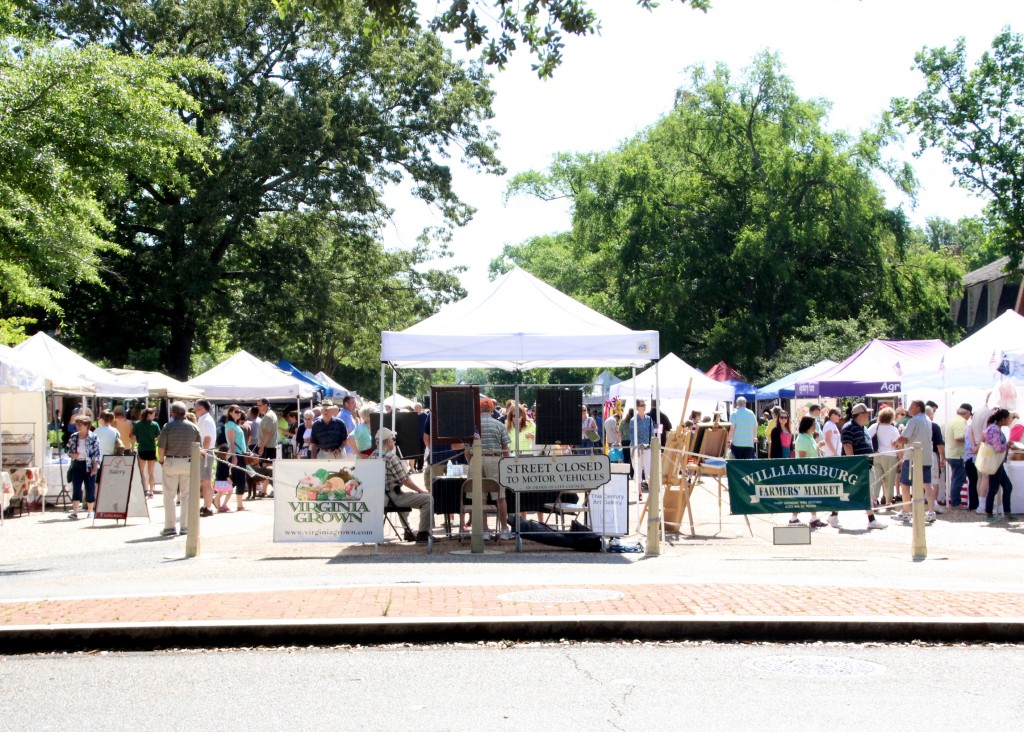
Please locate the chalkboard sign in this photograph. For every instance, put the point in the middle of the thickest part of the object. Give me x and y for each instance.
(455, 414)
(559, 416)
(119, 494)
(404, 423)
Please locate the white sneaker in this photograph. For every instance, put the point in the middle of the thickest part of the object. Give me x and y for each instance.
(876, 524)
(901, 516)
(505, 535)
(980, 510)
(73, 516)
(833, 521)
(929, 517)
(90, 515)
(939, 509)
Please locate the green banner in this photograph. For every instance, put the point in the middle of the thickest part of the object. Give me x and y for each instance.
(799, 484)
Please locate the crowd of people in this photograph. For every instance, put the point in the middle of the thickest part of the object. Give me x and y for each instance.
(888, 438)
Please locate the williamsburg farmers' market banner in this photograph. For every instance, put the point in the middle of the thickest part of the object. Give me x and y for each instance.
(329, 500)
(799, 484)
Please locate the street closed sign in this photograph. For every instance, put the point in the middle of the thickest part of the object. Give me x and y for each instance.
(801, 484)
(555, 472)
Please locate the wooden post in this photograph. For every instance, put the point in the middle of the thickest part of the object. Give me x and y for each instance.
(194, 492)
(920, 545)
(654, 502)
(476, 474)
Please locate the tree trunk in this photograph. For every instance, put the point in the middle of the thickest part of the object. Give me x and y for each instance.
(179, 349)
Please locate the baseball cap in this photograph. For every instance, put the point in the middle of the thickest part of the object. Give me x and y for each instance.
(486, 404)
(860, 408)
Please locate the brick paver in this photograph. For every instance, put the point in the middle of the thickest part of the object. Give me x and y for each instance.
(430, 601)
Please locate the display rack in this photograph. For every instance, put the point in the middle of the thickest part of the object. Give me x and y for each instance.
(18, 448)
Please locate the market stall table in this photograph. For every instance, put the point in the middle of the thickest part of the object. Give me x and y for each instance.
(1015, 469)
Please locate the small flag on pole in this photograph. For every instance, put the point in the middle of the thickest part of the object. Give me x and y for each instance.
(993, 361)
(942, 365)
(897, 368)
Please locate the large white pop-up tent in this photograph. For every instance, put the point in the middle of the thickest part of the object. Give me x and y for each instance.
(518, 323)
(61, 365)
(243, 377)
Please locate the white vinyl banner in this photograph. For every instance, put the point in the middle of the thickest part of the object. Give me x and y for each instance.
(329, 500)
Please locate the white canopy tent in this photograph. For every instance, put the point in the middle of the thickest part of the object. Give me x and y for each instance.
(243, 377)
(161, 385)
(339, 390)
(65, 369)
(22, 405)
(972, 362)
(518, 323)
(15, 374)
(673, 378)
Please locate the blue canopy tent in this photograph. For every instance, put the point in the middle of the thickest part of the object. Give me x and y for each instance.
(325, 391)
(785, 388)
(742, 389)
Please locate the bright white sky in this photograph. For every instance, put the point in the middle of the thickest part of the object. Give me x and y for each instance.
(856, 53)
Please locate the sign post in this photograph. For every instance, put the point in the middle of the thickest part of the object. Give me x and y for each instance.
(654, 501)
(195, 463)
(920, 546)
(476, 473)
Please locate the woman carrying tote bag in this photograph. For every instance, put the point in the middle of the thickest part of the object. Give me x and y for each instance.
(991, 456)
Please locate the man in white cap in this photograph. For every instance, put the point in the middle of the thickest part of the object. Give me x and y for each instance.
(395, 477)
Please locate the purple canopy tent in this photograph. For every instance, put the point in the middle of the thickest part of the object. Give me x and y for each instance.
(877, 368)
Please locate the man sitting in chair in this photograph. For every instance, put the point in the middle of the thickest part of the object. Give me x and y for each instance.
(395, 477)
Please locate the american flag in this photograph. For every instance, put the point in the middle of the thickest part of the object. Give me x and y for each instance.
(942, 365)
(993, 361)
(897, 368)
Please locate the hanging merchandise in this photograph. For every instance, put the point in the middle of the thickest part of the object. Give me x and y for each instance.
(1007, 395)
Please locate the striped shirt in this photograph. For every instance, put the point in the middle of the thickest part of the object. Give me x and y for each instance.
(177, 438)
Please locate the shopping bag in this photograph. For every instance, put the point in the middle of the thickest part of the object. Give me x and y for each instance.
(988, 460)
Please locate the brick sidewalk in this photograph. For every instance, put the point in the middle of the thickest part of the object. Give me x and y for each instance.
(403, 601)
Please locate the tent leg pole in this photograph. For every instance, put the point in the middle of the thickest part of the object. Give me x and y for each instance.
(380, 406)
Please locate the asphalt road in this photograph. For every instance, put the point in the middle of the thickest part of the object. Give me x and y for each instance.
(590, 686)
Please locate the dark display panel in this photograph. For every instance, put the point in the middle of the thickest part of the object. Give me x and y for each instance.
(455, 413)
(559, 416)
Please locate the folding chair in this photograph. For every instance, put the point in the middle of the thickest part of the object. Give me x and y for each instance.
(403, 518)
(489, 485)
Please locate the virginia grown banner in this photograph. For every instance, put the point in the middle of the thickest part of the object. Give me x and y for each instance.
(799, 484)
(329, 500)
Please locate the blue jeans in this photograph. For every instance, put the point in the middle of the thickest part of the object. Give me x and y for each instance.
(957, 476)
(80, 475)
(995, 481)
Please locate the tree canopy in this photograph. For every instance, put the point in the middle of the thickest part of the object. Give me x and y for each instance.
(76, 126)
(497, 27)
(306, 114)
(737, 220)
(975, 119)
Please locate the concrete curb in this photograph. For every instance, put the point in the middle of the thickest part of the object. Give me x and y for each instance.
(234, 634)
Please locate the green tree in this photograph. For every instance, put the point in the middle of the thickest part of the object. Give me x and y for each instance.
(975, 119)
(737, 219)
(307, 114)
(331, 278)
(497, 27)
(971, 238)
(76, 126)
